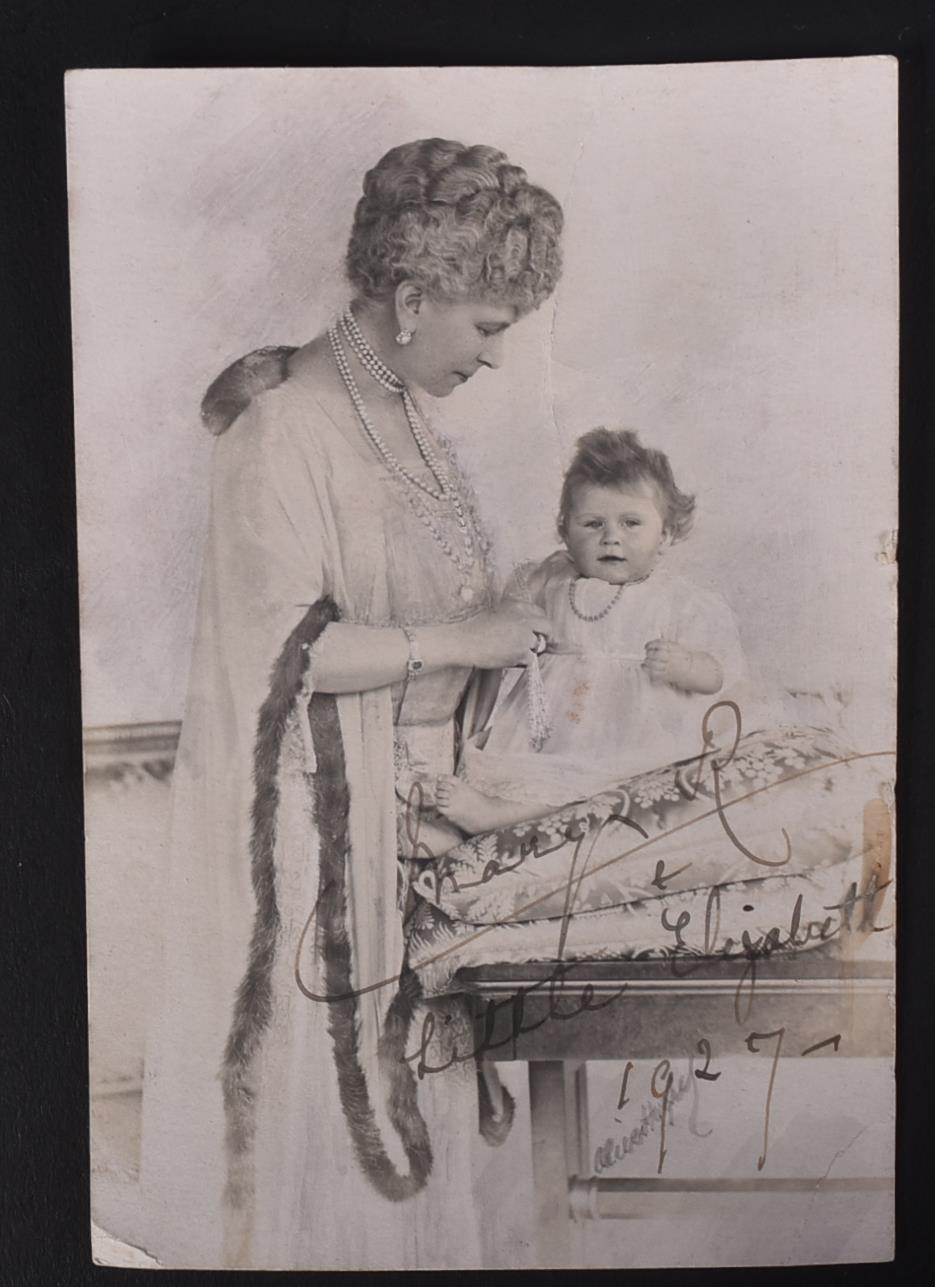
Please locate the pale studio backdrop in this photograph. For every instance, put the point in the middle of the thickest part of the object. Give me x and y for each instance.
(730, 290)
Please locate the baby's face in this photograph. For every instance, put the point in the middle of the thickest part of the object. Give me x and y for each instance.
(615, 533)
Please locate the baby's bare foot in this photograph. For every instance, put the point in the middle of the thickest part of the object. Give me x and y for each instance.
(464, 805)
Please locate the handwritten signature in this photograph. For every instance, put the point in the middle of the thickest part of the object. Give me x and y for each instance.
(656, 1111)
(775, 939)
(566, 1000)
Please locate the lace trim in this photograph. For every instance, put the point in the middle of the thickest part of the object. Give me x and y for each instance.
(517, 585)
(304, 697)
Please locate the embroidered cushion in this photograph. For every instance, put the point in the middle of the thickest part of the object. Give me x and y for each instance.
(787, 801)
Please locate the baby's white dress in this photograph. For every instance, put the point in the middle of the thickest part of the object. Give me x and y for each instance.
(609, 720)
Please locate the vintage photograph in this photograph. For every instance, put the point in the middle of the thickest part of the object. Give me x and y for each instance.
(487, 517)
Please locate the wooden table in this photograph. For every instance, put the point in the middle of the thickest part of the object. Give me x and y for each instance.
(556, 1017)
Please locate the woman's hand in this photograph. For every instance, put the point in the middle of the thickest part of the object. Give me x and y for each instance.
(504, 637)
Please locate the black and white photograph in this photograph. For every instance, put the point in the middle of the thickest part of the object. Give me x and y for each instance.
(487, 526)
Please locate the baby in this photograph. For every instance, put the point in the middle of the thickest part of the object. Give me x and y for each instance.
(640, 652)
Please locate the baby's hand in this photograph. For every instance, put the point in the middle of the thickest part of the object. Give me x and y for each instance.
(668, 662)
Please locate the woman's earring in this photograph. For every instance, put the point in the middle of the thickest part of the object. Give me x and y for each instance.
(404, 337)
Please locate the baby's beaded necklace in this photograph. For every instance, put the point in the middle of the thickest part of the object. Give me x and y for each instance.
(597, 616)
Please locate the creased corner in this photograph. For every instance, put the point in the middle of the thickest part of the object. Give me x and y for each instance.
(114, 1253)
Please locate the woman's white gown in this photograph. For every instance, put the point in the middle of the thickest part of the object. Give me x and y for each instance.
(301, 509)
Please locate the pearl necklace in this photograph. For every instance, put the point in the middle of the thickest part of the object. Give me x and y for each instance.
(367, 357)
(375, 367)
(583, 616)
(367, 354)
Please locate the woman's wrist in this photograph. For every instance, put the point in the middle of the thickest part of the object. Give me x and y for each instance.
(415, 662)
(354, 658)
(441, 646)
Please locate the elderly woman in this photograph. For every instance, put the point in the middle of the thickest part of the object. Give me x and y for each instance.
(346, 601)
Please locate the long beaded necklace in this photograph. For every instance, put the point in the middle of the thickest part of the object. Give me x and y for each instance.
(537, 708)
(411, 485)
(375, 367)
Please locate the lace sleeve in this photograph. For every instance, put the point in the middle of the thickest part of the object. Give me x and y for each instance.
(518, 582)
(530, 580)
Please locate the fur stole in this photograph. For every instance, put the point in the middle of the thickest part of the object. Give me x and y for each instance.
(253, 1007)
(241, 382)
(227, 397)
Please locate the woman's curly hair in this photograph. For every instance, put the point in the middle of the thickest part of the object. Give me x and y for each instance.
(460, 221)
(617, 458)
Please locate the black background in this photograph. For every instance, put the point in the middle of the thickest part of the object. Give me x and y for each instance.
(44, 1238)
